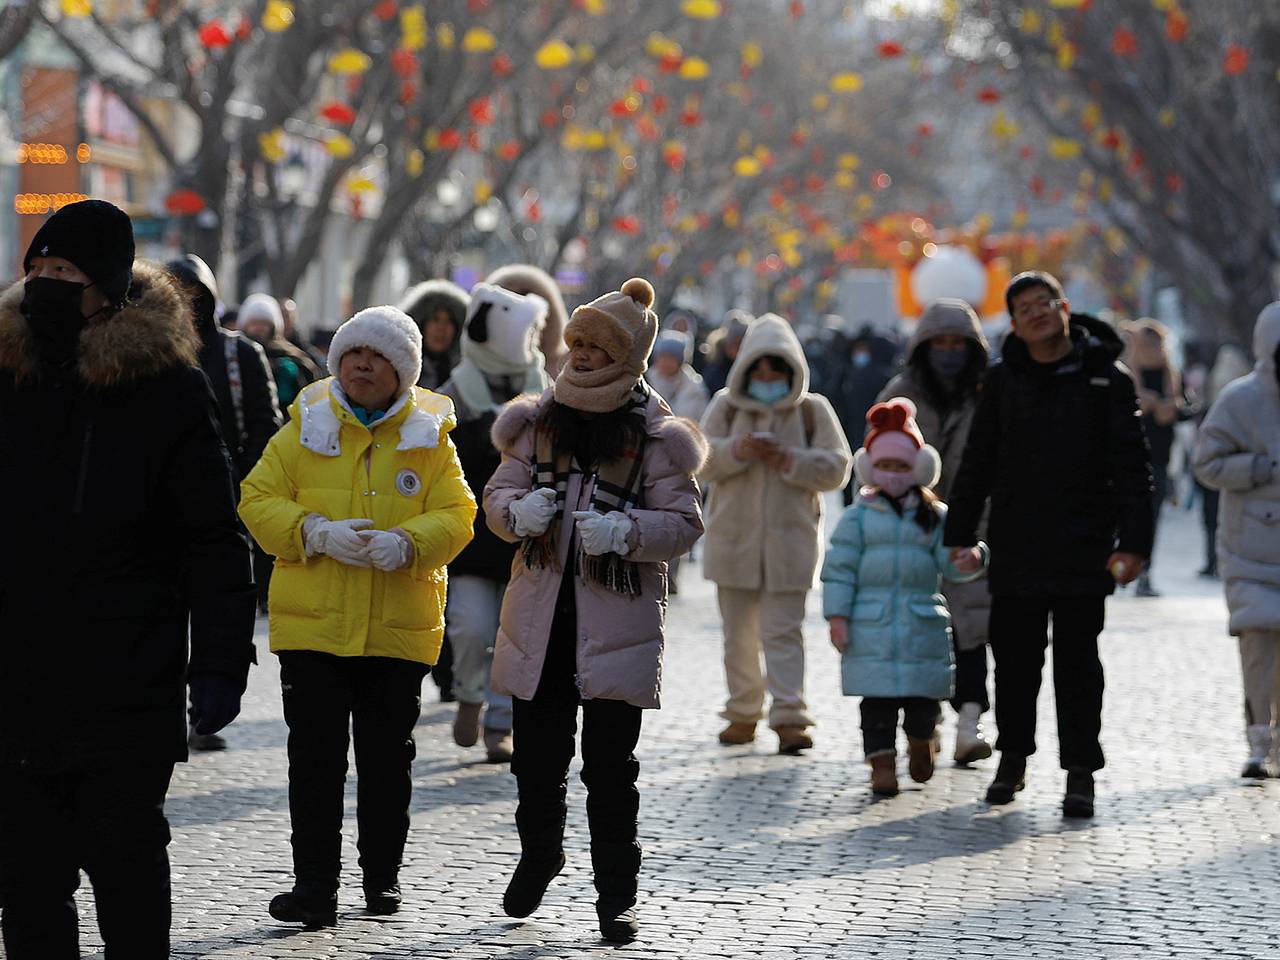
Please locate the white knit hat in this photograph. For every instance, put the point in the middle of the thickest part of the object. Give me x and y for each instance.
(389, 331)
(262, 306)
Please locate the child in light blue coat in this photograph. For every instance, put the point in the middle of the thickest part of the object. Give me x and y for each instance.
(881, 594)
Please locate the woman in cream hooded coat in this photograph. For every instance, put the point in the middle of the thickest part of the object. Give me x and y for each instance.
(774, 452)
(1238, 453)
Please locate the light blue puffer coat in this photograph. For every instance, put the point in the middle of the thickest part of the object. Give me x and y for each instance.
(884, 573)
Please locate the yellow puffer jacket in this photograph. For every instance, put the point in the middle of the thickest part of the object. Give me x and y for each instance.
(403, 473)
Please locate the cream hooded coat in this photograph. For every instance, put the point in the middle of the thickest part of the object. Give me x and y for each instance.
(1238, 452)
(764, 526)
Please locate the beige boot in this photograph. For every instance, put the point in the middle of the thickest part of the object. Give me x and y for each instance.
(466, 724)
(736, 734)
(498, 745)
(793, 738)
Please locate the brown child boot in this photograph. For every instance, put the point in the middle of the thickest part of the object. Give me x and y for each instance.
(736, 734)
(920, 758)
(884, 774)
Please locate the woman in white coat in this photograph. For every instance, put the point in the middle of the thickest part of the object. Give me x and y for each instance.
(775, 449)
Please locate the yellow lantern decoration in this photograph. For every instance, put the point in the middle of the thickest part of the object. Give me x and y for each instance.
(340, 146)
(413, 28)
(752, 55)
(1066, 56)
(865, 203)
(359, 185)
(792, 258)
(820, 102)
(1004, 127)
(695, 68)
(1106, 190)
(415, 162)
(554, 55)
(1167, 118)
(747, 167)
(1064, 147)
(845, 180)
(278, 16)
(481, 192)
(1067, 4)
(271, 145)
(431, 139)
(701, 9)
(732, 218)
(1032, 22)
(349, 62)
(478, 40)
(594, 8)
(584, 53)
(660, 47)
(1019, 218)
(846, 83)
(445, 36)
(77, 8)
(849, 161)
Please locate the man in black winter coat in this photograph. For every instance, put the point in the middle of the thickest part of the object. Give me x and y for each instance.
(121, 535)
(1057, 446)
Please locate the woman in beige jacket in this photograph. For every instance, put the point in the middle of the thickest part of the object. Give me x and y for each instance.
(775, 448)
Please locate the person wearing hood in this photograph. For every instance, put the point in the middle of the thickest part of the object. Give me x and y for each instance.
(500, 361)
(775, 449)
(361, 499)
(597, 489)
(261, 321)
(1229, 364)
(722, 349)
(946, 357)
(867, 365)
(1238, 453)
(439, 308)
(1056, 445)
(524, 279)
(237, 369)
(674, 379)
(124, 549)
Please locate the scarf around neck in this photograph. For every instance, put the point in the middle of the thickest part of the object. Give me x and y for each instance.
(473, 386)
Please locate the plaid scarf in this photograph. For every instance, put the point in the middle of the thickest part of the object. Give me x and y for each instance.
(617, 485)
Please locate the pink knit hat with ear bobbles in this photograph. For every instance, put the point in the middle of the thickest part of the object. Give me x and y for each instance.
(894, 433)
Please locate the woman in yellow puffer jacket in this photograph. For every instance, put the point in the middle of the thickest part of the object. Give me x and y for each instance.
(362, 501)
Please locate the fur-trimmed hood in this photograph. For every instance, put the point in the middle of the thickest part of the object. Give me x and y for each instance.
(152, 333)
(685, 445)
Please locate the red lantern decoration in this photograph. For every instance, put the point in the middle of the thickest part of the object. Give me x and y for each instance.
(213, 36)
(890, 49)
(404, 62)
(502, 66)
(385, 10)
(1177, 26)
(659, 104)
(1124, 42)
(620, 108)
(925, 129)
(184, 201)
(796, 9)
(534, 213)
(1036, 185)
(481, 110)
(670, 62)
(338, 112)
(813, 183)
(628, 225)
(1112, 140)
(550, 118)
(408, 91)
(647, 129)
(1173, 182)
(450, 139)
(509, 150)
(988, 95)
(690, 118)
(244, 30)
(1236, 61)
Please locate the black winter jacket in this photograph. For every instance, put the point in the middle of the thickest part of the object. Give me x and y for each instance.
(259, 411)
(120, 532)
(1059, 450)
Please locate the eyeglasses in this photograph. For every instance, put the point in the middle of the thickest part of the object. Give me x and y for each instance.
(1038, 306)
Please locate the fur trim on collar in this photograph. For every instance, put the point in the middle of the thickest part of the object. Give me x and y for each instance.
(152, 333)
(514, 419)
(686, 446)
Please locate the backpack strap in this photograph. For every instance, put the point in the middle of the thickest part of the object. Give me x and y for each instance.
(235, 382)
(806, 415)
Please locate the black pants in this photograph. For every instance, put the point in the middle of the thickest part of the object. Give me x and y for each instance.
(1159, 494)
(544, 730)
(920, 717)
(971, 678)
(379, 698)
(111, 824)
(1019, 636)
(1209, 500)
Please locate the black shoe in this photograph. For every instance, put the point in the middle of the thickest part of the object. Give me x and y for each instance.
(205, 742)
(312, 912)
(1010, 778)
(382, 899)
(529, 883)
(618, 923)
(1078, 801)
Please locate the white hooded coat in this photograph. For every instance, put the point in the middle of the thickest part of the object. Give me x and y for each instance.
(1238, 452)
(764, 526)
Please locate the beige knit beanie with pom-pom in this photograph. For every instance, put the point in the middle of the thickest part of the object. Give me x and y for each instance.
(623, 325)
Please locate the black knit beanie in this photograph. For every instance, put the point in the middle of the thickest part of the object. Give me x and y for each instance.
(97, 237)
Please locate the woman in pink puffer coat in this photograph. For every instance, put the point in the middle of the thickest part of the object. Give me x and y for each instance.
(597, 485)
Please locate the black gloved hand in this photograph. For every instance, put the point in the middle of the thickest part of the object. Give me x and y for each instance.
(215, 702)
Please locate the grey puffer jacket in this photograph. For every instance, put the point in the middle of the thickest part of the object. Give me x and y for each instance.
(1238, 452)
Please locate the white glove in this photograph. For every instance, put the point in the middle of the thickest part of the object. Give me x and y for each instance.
(336, 538)
(533, 513)
(603, 533)
(388, 549)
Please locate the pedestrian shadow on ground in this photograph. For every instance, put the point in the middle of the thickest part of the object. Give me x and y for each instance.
(228, 803)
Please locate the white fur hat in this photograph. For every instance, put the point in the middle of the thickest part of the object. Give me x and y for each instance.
(388, 330)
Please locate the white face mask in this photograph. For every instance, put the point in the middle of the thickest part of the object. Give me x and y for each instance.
(894, 484)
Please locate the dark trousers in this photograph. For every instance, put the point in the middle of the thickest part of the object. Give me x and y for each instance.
(1019, 636)
(544, 730)
(971, 678)
(920, 717)
(111, 824)
(379, 698)
(1209, 500)
(1159, 494)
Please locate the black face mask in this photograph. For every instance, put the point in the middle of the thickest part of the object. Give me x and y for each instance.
(948, 364)
(52, 309)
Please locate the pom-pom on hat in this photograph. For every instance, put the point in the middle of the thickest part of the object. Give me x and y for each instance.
(620, 323)
(388, 330)
(894, 434)
(97, 237)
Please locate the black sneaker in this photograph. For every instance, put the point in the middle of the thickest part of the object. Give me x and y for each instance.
(382, 899)
(1078, 801)
(1010, 778)
(312, 912)
(618, 923)
(529, 883)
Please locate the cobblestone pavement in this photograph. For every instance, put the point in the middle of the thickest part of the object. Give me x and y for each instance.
(751, 854)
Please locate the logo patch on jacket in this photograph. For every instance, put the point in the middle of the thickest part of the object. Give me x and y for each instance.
(408, 483)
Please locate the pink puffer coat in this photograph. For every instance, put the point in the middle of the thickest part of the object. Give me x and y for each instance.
(620, 637)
